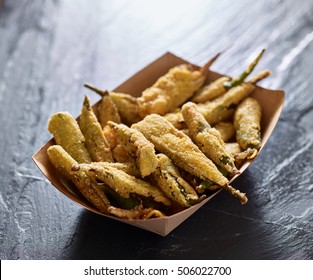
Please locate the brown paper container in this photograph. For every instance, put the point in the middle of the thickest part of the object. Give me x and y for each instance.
(270, 100)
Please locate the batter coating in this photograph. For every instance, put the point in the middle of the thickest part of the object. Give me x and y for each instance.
(122, 183)
(170, 91)
(86, 184)
(247, 122)
(96, 143)
(207, 138)
(67, 134)
(168, 179)
(179, 148)
(137, 146)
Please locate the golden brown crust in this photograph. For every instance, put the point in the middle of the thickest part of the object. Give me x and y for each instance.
(86, 185)
(207, 138)
(107, 111)
(220, 108)
(123, 183)
(169, 180)
(170, 91)
(179, 148)
(96, 143)
(226, 130)
(247, 122)
(67, 133)
(210, 91)
(127, 107)
(137, 146)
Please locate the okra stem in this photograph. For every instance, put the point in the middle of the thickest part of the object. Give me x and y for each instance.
(238, 80)
(96, 90)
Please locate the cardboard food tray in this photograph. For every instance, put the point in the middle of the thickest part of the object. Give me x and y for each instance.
(271, 102)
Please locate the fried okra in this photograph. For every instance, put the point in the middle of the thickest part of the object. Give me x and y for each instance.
(170, 90)
(179, 148)
(247, 122)
(96, 143)
(169, 180)
(127, 107)
(67, 134)
(86, 184)
(226, 130)
(208, 139)
(137, 146)
(107, 111)
(221, 85)
(124, 184)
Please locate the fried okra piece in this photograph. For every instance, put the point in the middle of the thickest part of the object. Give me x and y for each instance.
(221, 85)
(207, 138)
(137, 213)
(107, 111)
(179, 148)
(218, 106)
(211, 91)
(176, 119)
(222, 114)
(169, 180)
(96, 143)
(85, 183)
(170, 91)
(124, 184)
(128, 167)
(183, 152)
(235, 150)
(67, 134)
(136, 144)
(127, 107)
(214, 111)
(247, 122)
(226, 130)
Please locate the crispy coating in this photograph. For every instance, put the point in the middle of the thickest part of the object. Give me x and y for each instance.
(107, 111)
(138, 213)
(121, 155)
(207, 138)
(118, 150)
(235, 150)
(128, 167)
(179, 148)
(176, 119)
(127, 107)
(170, 91)
(67, 133)
(212, 115)
(110, 137)
(211, 91)
(226, 130)
(86, 184)
(124, 184)
(96, 143)
(215, 114)
(218, 109)
(169, 180)
(247, 122)
(138, 147)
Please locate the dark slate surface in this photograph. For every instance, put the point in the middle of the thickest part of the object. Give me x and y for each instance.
(48, 49)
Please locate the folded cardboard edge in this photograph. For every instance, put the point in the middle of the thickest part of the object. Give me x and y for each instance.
(134, 85)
